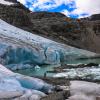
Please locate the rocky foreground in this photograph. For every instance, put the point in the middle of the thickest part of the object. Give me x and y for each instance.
(15, 86)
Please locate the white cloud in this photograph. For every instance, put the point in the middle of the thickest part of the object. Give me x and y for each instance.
(65, 12)
(87, 6)
(41, 4)
(83, 6)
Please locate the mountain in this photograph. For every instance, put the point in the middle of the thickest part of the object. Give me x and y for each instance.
(81, 33)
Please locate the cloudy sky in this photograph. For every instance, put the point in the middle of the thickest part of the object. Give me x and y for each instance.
(71, 8)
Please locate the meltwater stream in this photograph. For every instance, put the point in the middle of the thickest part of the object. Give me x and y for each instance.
(82, 72)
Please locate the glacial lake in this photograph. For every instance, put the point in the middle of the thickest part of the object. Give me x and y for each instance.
(40, 71)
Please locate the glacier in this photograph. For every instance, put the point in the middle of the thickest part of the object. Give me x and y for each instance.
(14, 85)
(20, 49)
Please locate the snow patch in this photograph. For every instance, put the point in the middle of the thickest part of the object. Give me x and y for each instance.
(82, 73)
(6, 2)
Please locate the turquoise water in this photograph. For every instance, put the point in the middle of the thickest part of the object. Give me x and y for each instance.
(40, 71)
(37, 72)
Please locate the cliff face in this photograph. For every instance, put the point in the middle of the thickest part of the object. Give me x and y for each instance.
(81, 33)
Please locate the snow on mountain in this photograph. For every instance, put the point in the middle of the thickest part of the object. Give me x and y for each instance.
(6, 2)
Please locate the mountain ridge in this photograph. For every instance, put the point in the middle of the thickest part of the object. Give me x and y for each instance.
(81, 33)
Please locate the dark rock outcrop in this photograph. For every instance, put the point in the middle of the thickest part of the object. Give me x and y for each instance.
(81, 33)
(95, 17)
(14, 16)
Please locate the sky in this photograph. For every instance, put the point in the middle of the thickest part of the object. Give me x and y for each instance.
(71, 8)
